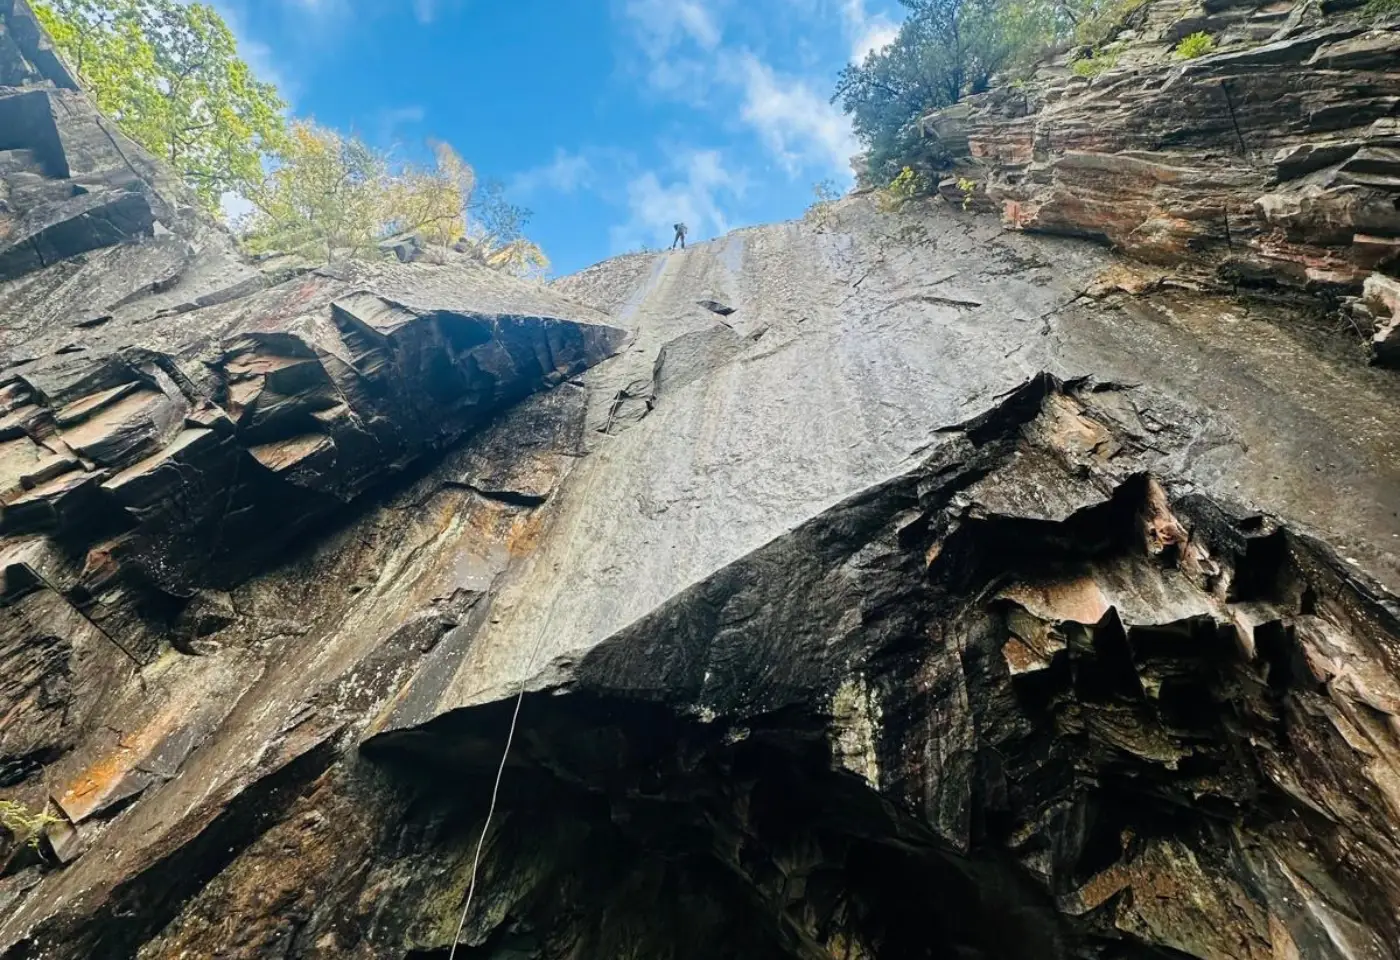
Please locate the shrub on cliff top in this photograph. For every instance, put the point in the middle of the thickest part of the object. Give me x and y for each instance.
(1102, 20)
(1100, 61)
(327, 195)
(908, 185)
(823, 209)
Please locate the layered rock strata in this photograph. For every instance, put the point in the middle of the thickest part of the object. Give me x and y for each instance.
(894, 586)
(1269, 162)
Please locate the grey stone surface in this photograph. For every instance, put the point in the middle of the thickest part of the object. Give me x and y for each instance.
(880, 585)
(844, 386)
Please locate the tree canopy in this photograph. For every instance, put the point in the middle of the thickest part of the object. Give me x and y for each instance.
(945, 50)
(328, 195)
(169, 74)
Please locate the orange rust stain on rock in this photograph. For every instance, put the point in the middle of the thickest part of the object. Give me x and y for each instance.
(1162, 528)
(1020, 658)
(525, 533)
(1017, 148)
(1103, 886)
(1129, 280)
(86, 792)
(1069, 430)
(1078, 600)
(1284, 946)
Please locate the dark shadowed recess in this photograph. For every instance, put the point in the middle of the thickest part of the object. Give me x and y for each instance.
(680, 834)
(650, 832)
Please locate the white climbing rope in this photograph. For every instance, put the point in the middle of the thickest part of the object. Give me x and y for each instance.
(500, 772)
(590, 482)
(490, 811)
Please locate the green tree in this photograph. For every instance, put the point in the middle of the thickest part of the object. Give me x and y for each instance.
(945, 50)
(169, 74)
(324, 196)
(328, 196)
(495, 232)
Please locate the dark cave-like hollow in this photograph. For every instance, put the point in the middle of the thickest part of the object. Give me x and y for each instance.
(624, 830)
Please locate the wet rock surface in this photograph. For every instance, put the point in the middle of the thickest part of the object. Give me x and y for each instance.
(895, 586)
(1269, 163)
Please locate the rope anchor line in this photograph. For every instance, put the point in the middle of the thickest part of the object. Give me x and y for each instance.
(500, 773)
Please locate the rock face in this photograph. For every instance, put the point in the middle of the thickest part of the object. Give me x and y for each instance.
(1273, 161)
(894, 586)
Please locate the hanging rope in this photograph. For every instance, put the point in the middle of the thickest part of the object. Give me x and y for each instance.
(500, 772)
(590, 482)
(490, 811)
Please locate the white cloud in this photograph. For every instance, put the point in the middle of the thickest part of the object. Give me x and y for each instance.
(321, 9)
(663, 25)
(800, 126)
(688, 59)
(566, 173)
(390, 122)
(678, 40)
(695, 192)
(424, 11)
(406, 114)
(867, 33)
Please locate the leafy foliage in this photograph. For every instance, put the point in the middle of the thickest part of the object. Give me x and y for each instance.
(945, 50)
(495, 233)
(1100, 61)
(25, 825)
(908, 185)
(826, 191)
(967, 188)
(1194, 45)
(822, 211)
(330, 196)
(1098, 21)
(1381, 8)
(169, 74)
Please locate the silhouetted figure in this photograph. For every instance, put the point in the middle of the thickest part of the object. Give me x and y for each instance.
(680, 236)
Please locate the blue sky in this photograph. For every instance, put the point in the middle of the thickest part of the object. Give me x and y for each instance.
(611, 119)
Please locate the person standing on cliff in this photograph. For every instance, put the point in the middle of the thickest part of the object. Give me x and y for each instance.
(680, 236)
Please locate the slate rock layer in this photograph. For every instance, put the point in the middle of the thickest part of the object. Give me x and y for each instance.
(887, 586)
(1272, 162)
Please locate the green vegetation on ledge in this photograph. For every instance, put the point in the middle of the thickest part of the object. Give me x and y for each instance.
(24, 825)
(1100, 61)
(1195, 45)
(948, 49)
(169, 75)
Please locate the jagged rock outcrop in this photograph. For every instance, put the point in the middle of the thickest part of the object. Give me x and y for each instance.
(894, 588)
(1270, 162)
